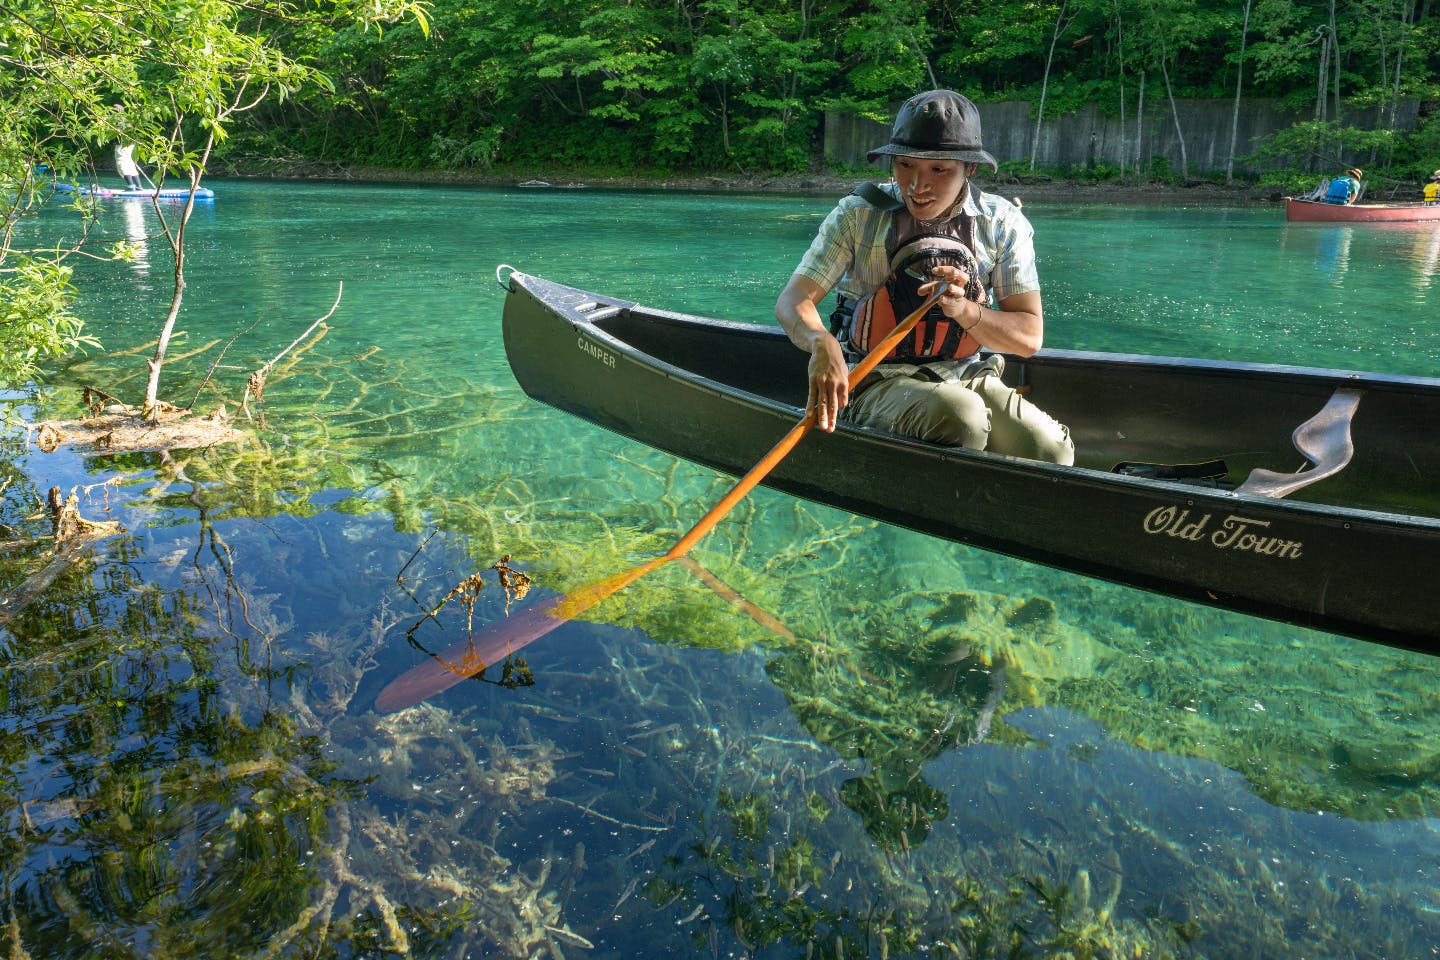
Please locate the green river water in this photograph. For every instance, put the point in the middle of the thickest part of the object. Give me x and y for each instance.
(192, 767)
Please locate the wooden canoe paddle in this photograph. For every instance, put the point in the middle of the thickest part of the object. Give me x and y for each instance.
(503, 638)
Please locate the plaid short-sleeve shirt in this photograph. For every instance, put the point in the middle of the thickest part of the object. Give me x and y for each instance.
(848, 253)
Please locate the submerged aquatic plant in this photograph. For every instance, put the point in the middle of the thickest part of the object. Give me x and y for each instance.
(792, 895)
(898, 697)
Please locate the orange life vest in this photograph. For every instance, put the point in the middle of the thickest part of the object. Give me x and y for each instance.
(863, 324)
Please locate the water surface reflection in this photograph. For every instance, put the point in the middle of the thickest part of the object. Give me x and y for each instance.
(953, 751)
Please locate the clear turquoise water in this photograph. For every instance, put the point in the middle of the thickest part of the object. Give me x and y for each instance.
(956, 744)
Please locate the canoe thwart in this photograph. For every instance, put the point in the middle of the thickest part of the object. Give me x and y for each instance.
(594, 311)
(1325, 442)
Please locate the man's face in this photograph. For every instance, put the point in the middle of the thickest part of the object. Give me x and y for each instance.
(930, 187)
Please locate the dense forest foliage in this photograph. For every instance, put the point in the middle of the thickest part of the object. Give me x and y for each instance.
(744, 84)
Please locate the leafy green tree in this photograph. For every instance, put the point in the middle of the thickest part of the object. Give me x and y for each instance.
(999, 50)
(891, 43)
(169, 76)
(36, 322)
(410, 96)
(756, 61)
(697, 84)
(1239, 88)
(1168, 36)
(1064, 16)
(37, 137)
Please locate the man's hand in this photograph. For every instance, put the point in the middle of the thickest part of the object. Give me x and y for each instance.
(829, 388)
(829, 382)
(953, 300)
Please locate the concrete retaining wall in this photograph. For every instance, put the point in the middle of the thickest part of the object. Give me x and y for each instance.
(1087, 137)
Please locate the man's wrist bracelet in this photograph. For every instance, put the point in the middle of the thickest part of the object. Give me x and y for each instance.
(979, 311)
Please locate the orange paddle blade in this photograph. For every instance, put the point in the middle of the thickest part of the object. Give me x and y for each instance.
(490, 646)
(467, 658)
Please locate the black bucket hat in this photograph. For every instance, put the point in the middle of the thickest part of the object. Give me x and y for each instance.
(937, 125)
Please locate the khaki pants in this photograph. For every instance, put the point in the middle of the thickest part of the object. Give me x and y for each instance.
(960, 405)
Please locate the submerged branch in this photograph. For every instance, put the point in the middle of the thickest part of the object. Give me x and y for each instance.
(71, 534)
(256, 384)
(210, 370)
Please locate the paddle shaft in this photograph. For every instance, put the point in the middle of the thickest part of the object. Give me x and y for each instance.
(469, 657)
(797, 433)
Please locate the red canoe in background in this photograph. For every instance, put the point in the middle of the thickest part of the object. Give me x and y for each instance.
(1316, 211)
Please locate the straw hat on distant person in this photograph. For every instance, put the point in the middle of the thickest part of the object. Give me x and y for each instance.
(1356, 172)
(1435, 175)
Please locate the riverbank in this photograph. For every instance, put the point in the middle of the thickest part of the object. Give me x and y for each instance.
(1030, 189)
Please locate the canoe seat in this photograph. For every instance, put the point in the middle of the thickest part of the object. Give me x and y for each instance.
(594, 311)
(1324, 440)
(1210, 473)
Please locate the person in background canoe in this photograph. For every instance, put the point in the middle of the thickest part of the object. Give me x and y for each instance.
(125, 165)
(1345, 189)
(935, 388)
(1432, 190)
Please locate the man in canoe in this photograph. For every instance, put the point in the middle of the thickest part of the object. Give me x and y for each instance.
(883, 248)
(1345, 189)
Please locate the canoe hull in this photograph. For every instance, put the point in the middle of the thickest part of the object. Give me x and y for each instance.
(1313, 211)
(1349, 570)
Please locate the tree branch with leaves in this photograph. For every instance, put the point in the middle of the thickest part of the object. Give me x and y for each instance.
(171, 77)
